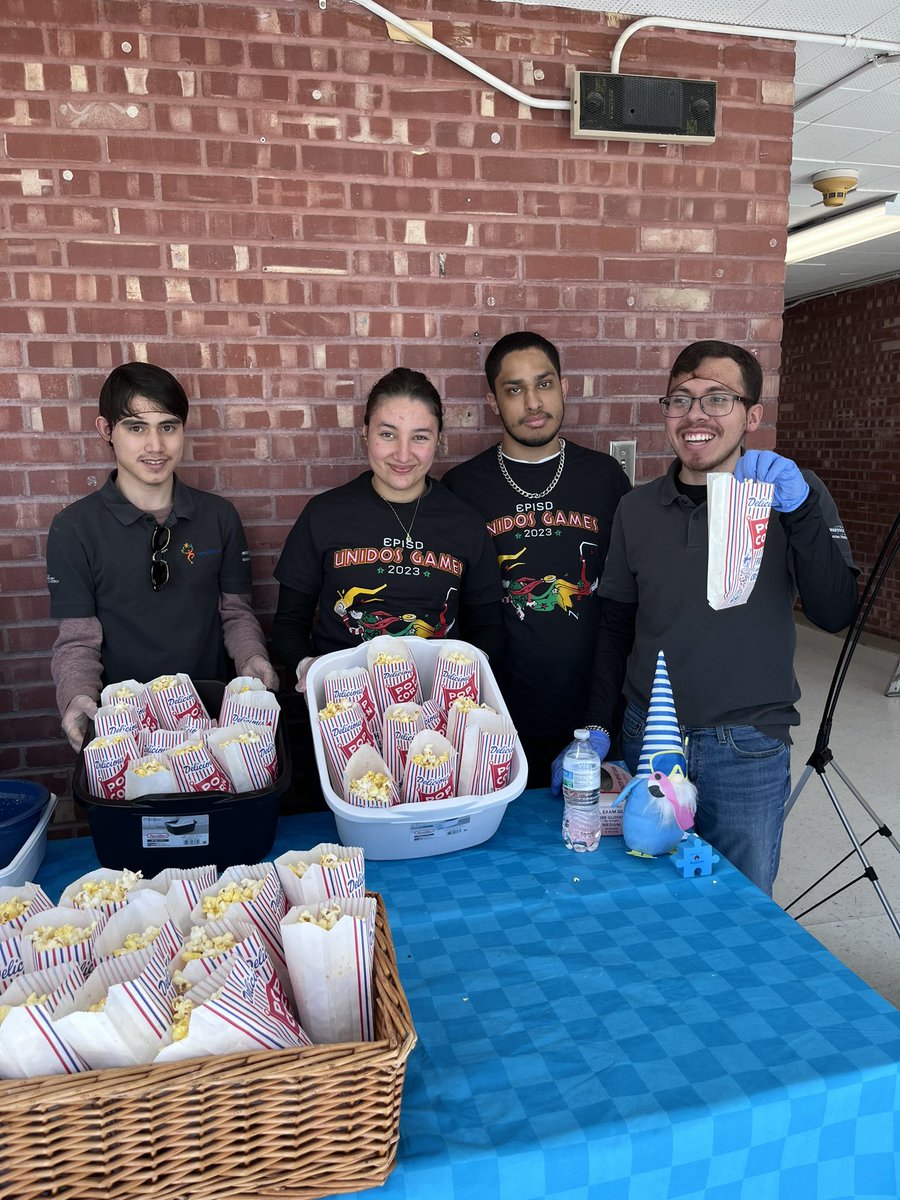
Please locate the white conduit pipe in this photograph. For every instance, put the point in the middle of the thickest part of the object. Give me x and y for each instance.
(848, 41)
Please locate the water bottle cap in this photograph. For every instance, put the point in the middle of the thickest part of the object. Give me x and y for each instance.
(582, 735)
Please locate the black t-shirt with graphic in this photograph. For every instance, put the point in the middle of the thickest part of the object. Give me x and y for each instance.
(350, 549)
(551, 554)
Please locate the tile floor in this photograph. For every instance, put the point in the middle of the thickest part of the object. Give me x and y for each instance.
(865, 742)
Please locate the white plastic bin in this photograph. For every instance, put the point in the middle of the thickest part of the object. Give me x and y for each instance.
(414, 830)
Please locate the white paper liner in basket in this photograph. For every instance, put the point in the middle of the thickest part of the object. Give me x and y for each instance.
(246, 753)
(30, 1044)
(395, 681)
(331, 970)
(173, 698)
(37, 899)
(347, 877)
(455, 674)
(238, 1010)
(364, 762)
(355, 685)
(485, 764)
(133, 1024)
(423, 782)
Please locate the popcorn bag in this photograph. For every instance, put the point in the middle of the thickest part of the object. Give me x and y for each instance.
(130, 691)
(234, 1010)
(247, 755)
(738, 520)
(252, 896)
(487, 752)
(11, 961)
(196, 770)
(174, 697)
(354, 685)
(150, 775)
(325, 871)
(247, 700)
(17, 904)
(401, 723)
(130, 1021)
(455, 674)
(100, 891)
(136, 933)
(30, 1042)
(330, 966)
(344, 730)
(434, 717)
(182, 888)
(367, 782)
(207, 946)
(457, 716)
(159, 741)
(60, 937)
(117, 718)
(395, 678)
(192, 724)
(430, 769)
(105, 760)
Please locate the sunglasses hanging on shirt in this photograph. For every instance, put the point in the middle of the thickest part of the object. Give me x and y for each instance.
(159, 568)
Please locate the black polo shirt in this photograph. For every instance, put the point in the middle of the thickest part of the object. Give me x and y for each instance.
(98, 565)
(734, 666)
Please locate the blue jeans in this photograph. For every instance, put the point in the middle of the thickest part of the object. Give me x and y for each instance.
(743, 780)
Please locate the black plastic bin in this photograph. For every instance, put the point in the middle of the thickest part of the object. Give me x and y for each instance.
(191, 830)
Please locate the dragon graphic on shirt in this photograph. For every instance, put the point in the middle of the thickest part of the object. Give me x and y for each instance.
(368, 623)
(547, 593)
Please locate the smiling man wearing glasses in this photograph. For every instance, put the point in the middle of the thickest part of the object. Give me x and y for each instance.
(731, 670)
(147, 576)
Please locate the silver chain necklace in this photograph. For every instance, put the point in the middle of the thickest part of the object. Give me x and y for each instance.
(532, 495)
(409, 543)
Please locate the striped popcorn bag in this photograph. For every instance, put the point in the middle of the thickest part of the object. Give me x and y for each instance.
(354, 685)
(430, 769)
(196, 770)
(254, 705)
(30, 1041)
(325, 871)
(458, 716)
(61, 937)
(395, 677)
(11, 962)
(158, 741)
(247, 755)
(252, 896)
(129, 691)
(455, 674)
(105, 760)
(174, 697)
(182, 888)
(19, 903)
(330, 950)
(738, 520)
(486, 759)
(367, 782)
(400, 725)
(434, 717)
(344, 729)
(118, 718)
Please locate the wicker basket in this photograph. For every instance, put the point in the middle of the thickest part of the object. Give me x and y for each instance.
(295, 1124)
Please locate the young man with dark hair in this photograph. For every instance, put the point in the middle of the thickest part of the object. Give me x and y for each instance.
(548, 504)
(732, 670)
(147, 576)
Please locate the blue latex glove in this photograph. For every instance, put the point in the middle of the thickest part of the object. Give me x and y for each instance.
(791, 489)
(600, 744)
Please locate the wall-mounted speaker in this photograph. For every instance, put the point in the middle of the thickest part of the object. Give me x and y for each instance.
(643, 108)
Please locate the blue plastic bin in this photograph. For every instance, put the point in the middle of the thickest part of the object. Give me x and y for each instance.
(21, 805)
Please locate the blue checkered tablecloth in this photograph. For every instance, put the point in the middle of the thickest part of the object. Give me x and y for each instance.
(595, 1025)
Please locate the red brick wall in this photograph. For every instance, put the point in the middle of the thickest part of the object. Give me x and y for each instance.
(839, 414)
(279, 204)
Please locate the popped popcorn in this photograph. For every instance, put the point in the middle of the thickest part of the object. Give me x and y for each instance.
(325, 860)
(10, 909)
(124, 695)
(231, 893)
(327, 918)
(374, 787)
(248, 738)
(403, 714)
(112, 739)
(385, 659)
(33, 998)
(181, 1018)
(457, 656)
(98, 1007)
(138, 941)
(106, 891)
(467, 704)
(333, 707)
(201, 945)
(428, 758)
(152, 766)
(50, 937)
(163, 683)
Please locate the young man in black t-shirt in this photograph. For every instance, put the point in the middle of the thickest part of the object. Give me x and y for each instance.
(548, 504)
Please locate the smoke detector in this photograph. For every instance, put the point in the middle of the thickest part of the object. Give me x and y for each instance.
(834, 185)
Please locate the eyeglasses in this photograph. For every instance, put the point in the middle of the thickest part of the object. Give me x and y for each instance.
(717, 404)
(159, 568)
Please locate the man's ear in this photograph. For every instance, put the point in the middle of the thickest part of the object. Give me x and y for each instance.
(104, 429)
(564, 384)
(492, 403)
(754, 416)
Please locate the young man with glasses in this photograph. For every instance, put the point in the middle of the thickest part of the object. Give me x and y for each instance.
(147, 576)
(731, 671)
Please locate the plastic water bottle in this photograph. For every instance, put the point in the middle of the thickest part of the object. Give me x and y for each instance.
(581, 793)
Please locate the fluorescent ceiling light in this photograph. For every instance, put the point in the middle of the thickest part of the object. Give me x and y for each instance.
(837, 233)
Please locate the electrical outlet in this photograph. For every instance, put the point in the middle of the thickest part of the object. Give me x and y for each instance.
(624, 453)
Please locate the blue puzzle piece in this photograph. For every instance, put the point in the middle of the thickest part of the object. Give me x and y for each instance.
(695, 857)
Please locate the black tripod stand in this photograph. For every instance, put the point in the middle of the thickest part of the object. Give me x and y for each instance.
(822, 757)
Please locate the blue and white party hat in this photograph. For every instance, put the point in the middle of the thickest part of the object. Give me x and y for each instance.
(662, 749)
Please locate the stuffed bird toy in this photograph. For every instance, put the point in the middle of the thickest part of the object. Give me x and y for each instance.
(660, 801)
